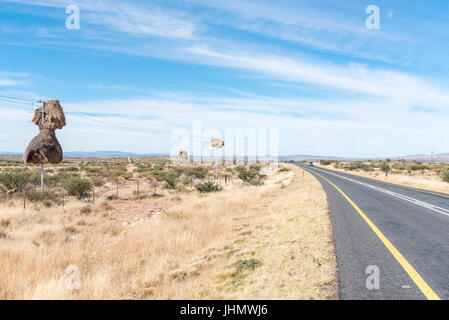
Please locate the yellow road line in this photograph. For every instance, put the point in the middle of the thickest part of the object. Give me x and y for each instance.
(416, 277)
(441, 194)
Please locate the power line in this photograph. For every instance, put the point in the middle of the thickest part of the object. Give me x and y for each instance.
(123, 125)
(88, 116)
(18, 101)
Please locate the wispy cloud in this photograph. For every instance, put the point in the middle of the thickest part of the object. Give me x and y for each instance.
(123, 16)
(356, 78)
(12, 78)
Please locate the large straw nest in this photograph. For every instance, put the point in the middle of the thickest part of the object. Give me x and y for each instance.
(53, 116)
(217, 143)
(45, 148)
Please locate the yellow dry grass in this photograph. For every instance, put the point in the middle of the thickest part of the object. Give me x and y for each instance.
(272, 241)
(424, 180)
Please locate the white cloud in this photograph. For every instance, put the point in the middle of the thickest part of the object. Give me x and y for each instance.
(123, 16)
(353, 78)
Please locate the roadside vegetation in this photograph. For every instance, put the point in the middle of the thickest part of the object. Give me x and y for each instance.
(149, 229)
(432, 176)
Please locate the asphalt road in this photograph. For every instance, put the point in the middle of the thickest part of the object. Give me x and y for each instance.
(402, 232)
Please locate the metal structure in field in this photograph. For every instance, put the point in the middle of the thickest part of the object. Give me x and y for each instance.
(217, 144)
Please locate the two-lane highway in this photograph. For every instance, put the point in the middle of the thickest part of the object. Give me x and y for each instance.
(403, 232)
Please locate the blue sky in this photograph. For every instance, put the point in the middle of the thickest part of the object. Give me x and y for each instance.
(310, 69)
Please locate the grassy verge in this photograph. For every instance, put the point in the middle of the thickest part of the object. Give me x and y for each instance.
(246, 241)
(282, 250)
(423, 179)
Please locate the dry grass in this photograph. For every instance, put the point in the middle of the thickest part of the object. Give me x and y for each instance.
(270, 241)
(424, 179)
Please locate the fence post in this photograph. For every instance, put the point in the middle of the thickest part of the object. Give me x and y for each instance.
(137, 188)
(117, 189)
(24, 200)
(93, 194)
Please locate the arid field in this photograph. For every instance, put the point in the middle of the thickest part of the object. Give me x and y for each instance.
(148, 229)
(429, 176)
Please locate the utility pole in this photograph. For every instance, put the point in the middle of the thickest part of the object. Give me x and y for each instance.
(431, 157)
(42, 165)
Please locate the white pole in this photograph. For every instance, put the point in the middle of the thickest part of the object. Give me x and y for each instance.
(42, 166)
(216, 162)
(42, 179)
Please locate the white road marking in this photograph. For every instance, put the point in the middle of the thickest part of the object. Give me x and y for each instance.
(394, 194)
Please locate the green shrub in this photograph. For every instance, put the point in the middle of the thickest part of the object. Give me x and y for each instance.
(170, 179)
(86, 210)
(199, 172)
(18, 180)
(445, 175)
(384, 167)
(49, 195)
(126, 175)
(78, 187)
(207, 187)
(417, 166)
(325, 162)
(97, 181)
(284, 170)
(251, 176)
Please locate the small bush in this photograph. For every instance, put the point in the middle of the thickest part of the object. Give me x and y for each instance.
(97, 181)
(250, 176)
(199, 172)
(86, 210)
(5, 223)
(247, 265)
(170, 179)
(18, 180)
(325, 162)
(384, 167)
(284, 169)
(71, 229)
(445, 175)
(78, 187)
(126, 175)
(417, 166)
(207, 187)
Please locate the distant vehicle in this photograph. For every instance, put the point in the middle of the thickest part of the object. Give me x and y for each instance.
(310, 163)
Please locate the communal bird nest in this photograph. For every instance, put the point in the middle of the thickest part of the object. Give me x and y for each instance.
(217, 143)
(45, 148)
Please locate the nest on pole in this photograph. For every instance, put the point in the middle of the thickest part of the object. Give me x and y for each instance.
(45, 148)
(217, 143)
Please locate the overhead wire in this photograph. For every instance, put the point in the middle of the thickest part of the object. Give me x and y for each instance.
(89, 116)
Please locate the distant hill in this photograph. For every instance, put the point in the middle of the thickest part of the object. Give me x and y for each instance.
(444, 157)
(94, 154)
(109, 154)
(312, 157)
(426, 157)
(7, 153)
